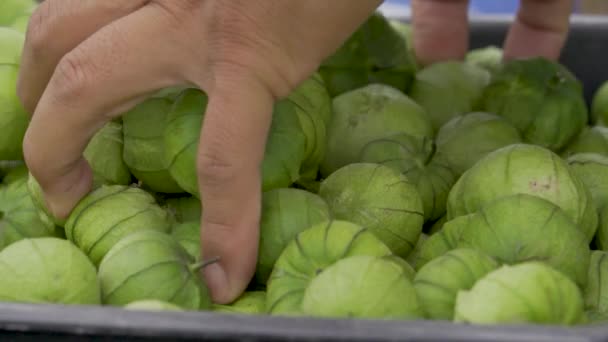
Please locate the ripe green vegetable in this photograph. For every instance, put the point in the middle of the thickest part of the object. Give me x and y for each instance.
(539, 97)
(362, 287)
(599, 104)
(441, 242)
(21, 22)
(11, 10)
(375, 53)
(110, 213)
(19, 216)
(404, 29)
(413, 256)
(520, 228)
(38, 198)
(313, 107)
(401, 151)
(293, 144)
(152, 305)
(488, 57)
(378, 198)
(181, 137)
(438, 282)
(433, 182)
(184, 209)
(408, 271)
(15, 171)
(592, 169)
(437, 225)
(144, 145)
(285, 213)
(596, 318)
(297, 138)
(596, 291)
(309, 254)
(524, 169)
(250, 302)
(104, 155)
(13, 118)
(151, 265)
(47, 270)
(406, 33)
(466, 139)
(414, 157)
(367, 114)
(188, 234)
(530, 292)
(591, 140)
(601, 238)
(312, 97)
(448, 89)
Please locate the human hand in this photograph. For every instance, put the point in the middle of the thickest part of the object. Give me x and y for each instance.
(440, 30)
(85, 62)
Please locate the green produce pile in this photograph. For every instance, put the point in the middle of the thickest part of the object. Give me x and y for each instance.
(471, 191)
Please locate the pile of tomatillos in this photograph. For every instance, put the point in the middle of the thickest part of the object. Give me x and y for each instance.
(471, 191)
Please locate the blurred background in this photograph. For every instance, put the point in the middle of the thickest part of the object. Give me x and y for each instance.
(500, 7)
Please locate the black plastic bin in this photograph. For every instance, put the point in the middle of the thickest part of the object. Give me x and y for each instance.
(585, 55)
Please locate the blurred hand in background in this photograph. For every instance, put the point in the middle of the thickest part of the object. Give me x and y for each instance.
(440, 29)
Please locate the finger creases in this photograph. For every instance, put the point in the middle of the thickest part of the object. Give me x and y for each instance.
(57, 27)
(230, 154)
(93, 83)
(440, 30)
(540, 29)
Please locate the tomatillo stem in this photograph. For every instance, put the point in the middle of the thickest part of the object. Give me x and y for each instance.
(204, 263)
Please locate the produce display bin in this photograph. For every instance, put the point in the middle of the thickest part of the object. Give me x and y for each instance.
(585, 55)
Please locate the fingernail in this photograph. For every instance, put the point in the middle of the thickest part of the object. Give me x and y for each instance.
(217, 282)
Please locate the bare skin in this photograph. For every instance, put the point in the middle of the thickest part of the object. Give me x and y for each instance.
(440, 30)
(85, 62)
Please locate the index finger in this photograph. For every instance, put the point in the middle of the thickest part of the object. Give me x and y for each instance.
(91, 84)
(55, 28)
(540, 29)
(231, 151)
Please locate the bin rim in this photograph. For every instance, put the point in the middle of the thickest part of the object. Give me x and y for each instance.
(505, 19)
(119, 322)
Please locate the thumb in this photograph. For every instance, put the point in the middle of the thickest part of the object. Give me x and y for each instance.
(232, 144)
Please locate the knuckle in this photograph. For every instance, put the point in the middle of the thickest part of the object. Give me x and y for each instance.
(175, 10)
(183, 5)
(73, 76)
(241, 46)
(39, 30)
(117, 6)
(215, 169)
(215, 227)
